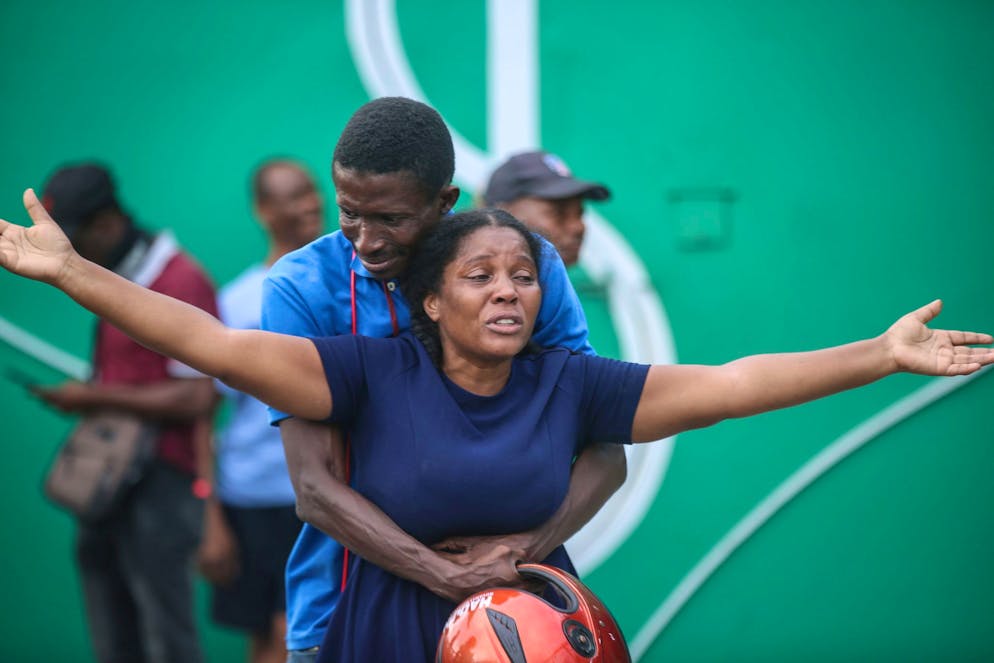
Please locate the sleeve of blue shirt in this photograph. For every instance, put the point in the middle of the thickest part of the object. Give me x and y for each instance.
(561, 322)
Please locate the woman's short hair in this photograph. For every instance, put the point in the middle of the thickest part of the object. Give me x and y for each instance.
(436, 250)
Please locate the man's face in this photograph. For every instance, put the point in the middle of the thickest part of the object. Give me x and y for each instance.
(98, 238)
(384, 215)
(560, 221)
(291, 207)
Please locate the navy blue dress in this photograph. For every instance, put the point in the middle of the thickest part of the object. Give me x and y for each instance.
(441, 462)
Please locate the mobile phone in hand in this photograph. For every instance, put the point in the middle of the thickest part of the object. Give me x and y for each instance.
(21, 378)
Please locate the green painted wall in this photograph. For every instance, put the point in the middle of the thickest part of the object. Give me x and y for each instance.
(858, 141)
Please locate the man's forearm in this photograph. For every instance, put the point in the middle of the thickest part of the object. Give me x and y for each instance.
(317, 468)
(597, 474)
(173, 399)
(359, 525)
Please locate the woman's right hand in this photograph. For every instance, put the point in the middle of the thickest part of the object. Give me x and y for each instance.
(38, 252)
(917, 348)
(466, 575)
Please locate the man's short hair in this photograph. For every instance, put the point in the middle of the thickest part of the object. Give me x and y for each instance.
(396, 134)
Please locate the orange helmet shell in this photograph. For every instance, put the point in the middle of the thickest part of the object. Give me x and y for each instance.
(505, 625)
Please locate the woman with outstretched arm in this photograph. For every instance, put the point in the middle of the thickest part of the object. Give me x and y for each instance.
(460, 428)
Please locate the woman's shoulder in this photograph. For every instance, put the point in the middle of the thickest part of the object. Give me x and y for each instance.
(544, 361)
(540, 355)
(403, 351)
(568, 365)
(404, 342)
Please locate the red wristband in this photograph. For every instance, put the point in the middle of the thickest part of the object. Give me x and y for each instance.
(202, 488)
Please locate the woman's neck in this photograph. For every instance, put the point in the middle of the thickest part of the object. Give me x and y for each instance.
(482, 379)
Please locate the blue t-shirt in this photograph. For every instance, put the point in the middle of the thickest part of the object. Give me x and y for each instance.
(251, 466)
(441, 461)
(308, 293)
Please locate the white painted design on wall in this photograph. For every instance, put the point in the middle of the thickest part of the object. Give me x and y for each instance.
(639, 317)
(819, 465)
(44, 352)
(513, 125)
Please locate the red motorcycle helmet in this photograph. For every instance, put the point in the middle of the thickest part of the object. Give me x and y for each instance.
(504, 625)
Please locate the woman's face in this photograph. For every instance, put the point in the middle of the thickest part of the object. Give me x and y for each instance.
(489, 299)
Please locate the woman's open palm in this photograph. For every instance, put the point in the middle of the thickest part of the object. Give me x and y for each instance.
(919, 349)
(39, 251)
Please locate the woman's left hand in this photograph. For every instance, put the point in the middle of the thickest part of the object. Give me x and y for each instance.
(917, 349)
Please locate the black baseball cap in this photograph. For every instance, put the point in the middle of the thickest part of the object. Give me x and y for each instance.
(73, 194)
(540, 175)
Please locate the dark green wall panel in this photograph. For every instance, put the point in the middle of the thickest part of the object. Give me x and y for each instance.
(856, 138)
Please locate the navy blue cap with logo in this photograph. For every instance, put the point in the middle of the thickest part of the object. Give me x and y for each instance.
(538, 175)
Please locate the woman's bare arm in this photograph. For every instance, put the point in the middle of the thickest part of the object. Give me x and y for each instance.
(678, 398)
(284, 371)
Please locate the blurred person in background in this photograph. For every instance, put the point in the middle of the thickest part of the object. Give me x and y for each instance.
(135, 565)
(251, 521)
(540, 190)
